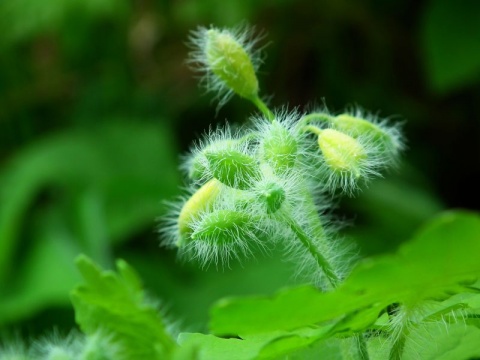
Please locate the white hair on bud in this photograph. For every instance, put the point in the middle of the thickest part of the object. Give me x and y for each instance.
(221, 138)
(199, 62)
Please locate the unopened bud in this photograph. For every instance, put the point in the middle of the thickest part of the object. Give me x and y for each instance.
(357, 127)
(199, 165)
(341, 152)
(200, 201)
(233, 168)
(280, 147)
(230, 61)
(223, 227)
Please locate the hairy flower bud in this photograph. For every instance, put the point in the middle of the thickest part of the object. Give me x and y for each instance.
(223, 226)
(229, 60)
(233, 168)
(387, 139)
(223, 234)
(279, 147)
(200, 201)
(341, 152)
(198, 166)
(356, 127)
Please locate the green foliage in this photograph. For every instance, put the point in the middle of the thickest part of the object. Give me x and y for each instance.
(75, 177)
(441, 260)
(104, 188)
(24, 19)
(116, 303)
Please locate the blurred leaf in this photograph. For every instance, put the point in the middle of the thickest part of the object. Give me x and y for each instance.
(443, 254)
(451, 43)
(24, 19)
(115, 176)
(48, 272)
(116, 303)
(221, 13)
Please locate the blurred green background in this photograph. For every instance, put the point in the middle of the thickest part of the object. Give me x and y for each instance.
(97, 104)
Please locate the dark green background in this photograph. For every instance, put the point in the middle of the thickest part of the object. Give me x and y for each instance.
(97, 103)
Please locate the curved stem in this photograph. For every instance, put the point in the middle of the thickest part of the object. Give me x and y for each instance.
(263, 108)
(313, 129)
(315, 117)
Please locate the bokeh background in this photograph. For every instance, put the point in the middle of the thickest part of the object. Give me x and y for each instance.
(97, 104)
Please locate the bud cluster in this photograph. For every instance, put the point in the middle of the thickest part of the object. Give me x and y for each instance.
(258, 186)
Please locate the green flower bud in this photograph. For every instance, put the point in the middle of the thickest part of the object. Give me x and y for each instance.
(223, 227)
(280, 148)
(341, 152)
(233, 168)
(273, 195)
(356, 127)
(200, 201)
(199, 166)
(228, 59)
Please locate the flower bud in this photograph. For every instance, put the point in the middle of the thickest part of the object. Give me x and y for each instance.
(198, 167)
(223, 227)
(200, 201)
(273, 196)
(357, 127)
(233, 168)
(279, 147)
(341, 152)
(228, 59)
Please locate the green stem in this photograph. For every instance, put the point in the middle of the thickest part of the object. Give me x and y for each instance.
(399, 343)
(319, 231)
(313, 129)
(312, 249)
(362, 347)
(397, 348)
(263, 108)
(316, 117)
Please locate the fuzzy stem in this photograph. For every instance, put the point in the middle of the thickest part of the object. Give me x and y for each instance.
(313, 129)
(319, 258)
(315, 116)
(397, 348)
(262, 107)
(362, 347)
(360, 344)
(395, 310)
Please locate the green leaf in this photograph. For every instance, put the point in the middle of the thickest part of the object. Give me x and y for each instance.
(210, 347)
(443, 254)
(436, 341)
(258, 346)
(116, 303)
(451, 43)
(112, 180)
(48, 273)
(23, 19)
